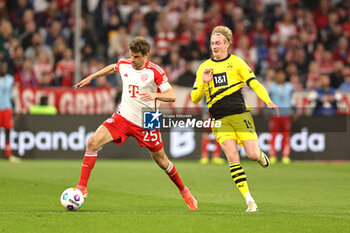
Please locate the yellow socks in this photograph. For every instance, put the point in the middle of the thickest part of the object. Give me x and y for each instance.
(240, 178)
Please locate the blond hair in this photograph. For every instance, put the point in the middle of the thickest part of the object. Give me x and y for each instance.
(223, 31)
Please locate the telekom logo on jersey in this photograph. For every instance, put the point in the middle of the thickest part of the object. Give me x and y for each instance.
(134, 90)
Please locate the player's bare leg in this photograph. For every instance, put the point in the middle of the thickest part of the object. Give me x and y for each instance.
(8, 150)
(162, 160)
(238, 175)
(253, 151)
(286, 147)
(100, 138)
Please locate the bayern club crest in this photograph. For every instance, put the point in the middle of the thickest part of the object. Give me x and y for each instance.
(144, 77)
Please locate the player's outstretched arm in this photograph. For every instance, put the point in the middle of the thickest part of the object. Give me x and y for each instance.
(103, 72)
(166, 96)
(263, 95)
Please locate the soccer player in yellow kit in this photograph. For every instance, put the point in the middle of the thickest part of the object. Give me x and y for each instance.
(221, 79)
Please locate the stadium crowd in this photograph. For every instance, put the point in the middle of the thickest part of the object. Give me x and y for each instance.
(308, 39)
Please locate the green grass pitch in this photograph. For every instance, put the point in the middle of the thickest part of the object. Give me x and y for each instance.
(136, 196)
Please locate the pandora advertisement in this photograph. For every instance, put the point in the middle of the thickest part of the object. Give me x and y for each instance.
(65, 136)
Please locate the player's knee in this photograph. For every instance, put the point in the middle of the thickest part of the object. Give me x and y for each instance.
(253, 155)
(92, 144)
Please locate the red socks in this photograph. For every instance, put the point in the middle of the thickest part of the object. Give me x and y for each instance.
(8, 151)
(174, 176)
(205, 142)
(88, 164)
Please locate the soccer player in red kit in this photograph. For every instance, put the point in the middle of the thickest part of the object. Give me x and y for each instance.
(144, 85)
(6, 122)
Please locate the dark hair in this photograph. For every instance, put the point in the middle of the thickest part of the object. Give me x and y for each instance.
(280, 70)
(140, 44)
(43, 100)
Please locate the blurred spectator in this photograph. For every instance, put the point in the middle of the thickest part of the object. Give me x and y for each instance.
(269, 77)
(164, 36)
(5, 35)
(308, 33)
(198, 46)
(135, 23)
(273, 58)
(103, 82)
(312, 79)
(195, 13)
(17, 14)
(291, 69)
(3, 11)
(172, 14)
(46, 79)
(65, 69)
(6, 85)
(345, 86)
(274, 14)
(58, 49)
(53, 33)
(227, 15)
(281, 92)
(295, 80)
(326, 103)
(143, 31)
(40, 5)
(118, 45)
(175, 67)
(43, 64)
(104, 12)
(26, 77)
(336, 76)
(326, 63)
(291, 46)
(87, 41)
(45, 18)
(245, 52)
(187, 78)
(28, 16)
(127, 10)
(184, 35)
(240, 32)
(331, 33)
(26, 37)
(346, 27)
(16, 60)
(151, 18)
(212, 18)
(342, 50)
(36, 47)
(286, 28)
(301, 62)
(260, 35)
(321, 14)
(43, 108)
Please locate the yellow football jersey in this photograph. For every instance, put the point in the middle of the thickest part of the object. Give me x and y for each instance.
(224, 92)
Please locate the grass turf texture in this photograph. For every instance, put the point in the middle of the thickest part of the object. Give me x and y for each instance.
(136, 196)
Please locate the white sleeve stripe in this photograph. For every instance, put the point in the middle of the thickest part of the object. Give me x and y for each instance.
(158, 68)
(154, 67)
(164, 86)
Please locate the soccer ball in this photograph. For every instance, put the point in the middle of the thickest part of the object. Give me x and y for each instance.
(72, 199)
